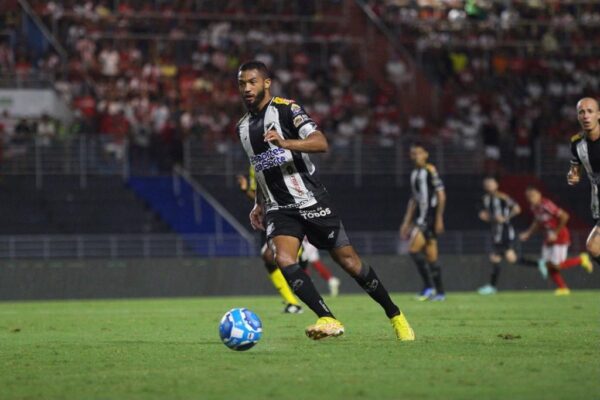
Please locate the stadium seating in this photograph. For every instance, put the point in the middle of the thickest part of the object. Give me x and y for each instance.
(62, 207)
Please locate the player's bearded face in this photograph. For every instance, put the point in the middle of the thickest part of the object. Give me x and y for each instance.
(252, 87)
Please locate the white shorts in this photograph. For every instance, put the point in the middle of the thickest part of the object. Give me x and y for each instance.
(555, 253)
(310, 253)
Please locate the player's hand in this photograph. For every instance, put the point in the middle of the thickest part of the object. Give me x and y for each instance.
(439, 226)
(573, 177)
(242, 182)
(257, 217)
(524, 236)
(551, 236)
(405, 231)
(273, 137)
(500, 219)
(484, 216)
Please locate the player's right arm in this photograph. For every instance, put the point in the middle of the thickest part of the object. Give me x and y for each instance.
(257, 215)
(574, 174)
(408, 217)
(524, 236)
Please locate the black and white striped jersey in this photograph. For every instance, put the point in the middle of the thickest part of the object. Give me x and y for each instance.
(287, 179)
(425, 184)
(499, 205)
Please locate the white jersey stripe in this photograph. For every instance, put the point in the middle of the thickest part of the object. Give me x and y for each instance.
(292, 179)
(259, 175)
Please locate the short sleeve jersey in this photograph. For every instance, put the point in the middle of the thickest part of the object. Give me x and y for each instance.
(287, 179)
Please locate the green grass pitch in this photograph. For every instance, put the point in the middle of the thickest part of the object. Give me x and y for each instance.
(517, 345)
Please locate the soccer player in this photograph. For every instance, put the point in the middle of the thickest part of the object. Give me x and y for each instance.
(292, 306)
(278, 134)
(585, 147)
(553, 220)
(498, 210)
(424, 221)
(309, 255)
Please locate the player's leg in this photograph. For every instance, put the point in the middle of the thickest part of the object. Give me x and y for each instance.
(583, 260)
(490, 288)
(431, 256)
(415, 250)
(593, 243)
(292, 306)
(367, 279)
(556, 255)
(286, 253)
(311, 253)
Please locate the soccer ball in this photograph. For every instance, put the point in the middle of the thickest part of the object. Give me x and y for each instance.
(240, 329)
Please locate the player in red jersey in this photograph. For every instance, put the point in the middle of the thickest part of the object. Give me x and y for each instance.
(553, 221)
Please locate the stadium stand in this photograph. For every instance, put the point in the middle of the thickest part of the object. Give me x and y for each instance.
(152, 85)
(63, 207)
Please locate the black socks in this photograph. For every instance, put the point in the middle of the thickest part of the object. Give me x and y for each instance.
(369, 281)
(304, 288)
(495, 274)
(436, 277)
(421, 264)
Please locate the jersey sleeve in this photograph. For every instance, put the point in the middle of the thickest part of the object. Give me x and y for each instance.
(574, 156)
(550, 207)
(300, 122)
(436, 181)
(575, 160)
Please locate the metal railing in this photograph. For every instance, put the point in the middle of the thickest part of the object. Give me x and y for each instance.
(147, 246)
(87, 155)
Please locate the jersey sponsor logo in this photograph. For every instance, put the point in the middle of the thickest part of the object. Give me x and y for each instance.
(268, 159)
(281, 100)
(319, 212)
(299, 119)
(296, 109)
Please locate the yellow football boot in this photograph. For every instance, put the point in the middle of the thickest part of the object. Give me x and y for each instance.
(562, 292)
(586, 263)
(325, 327)
(402, 328)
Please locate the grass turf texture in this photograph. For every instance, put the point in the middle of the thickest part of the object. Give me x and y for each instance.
(529, 345)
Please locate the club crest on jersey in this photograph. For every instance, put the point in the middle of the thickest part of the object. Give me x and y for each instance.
(299, 119)
(296, 109)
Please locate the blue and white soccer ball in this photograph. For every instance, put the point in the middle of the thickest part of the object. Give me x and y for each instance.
(240, 329)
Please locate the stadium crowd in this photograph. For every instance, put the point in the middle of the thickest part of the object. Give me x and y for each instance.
(158, 72)
(510, 72)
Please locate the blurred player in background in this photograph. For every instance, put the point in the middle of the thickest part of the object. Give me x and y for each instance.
(424, 221)
(498, 210)
(291, 203)
(309, 256)
(553, 221)
(585, 147)
(292, 306)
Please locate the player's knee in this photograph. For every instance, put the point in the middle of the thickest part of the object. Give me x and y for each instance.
(351, 263)
(495, 258)
(593, 248)
(511, 256)
(283, 260)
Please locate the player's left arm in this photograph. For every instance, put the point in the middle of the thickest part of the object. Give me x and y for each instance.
(563, 218)
(574, 174)
(316, 142)
(439, 212)
(304, 134)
